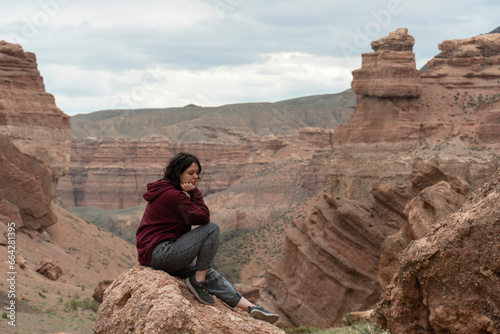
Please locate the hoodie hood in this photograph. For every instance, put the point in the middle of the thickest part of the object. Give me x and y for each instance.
(157, 188)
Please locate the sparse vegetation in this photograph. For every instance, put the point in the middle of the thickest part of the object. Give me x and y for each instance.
(357, 327)
(86, 304)
(468, 103)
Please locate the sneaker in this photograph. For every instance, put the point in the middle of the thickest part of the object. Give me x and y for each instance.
(200, 291)
(260, 313)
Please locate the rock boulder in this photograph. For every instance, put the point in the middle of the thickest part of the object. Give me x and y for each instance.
(449, 280)
(147, 301)
(50, 270)
(99, 290)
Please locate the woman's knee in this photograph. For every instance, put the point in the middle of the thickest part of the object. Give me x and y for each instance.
(214, 230)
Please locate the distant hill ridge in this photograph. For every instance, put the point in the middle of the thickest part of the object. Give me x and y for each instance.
(495, 31)
(227, 123)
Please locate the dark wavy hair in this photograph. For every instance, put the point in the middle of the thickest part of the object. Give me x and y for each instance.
(177, 166)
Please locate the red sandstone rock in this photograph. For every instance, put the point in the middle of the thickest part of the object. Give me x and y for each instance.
(25, 187)
(244, 185)
(50, 270)
(436, 195)
(3, 234)
(317, 137)
(390, 251)
(258, 159)
(35, 140)
(349, 249)
(10, 213)
(430, 205)
(453, 121)
(448, 280)
(389, 71)
(147, 301)
(334, 251)
(489, 131)
(99, 290)
(428, 174)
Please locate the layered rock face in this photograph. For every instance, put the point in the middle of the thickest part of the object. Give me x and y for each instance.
(147, 301)
(343, 248)
(428, 196)
(330, 266)
(448, 281)
(35, 141)
(449, 114)
(390, 71)
(258, 159)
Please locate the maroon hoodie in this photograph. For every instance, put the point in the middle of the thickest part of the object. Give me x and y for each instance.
(169, 213)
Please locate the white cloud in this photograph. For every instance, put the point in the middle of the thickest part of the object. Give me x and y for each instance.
(277, 77)
(210, 52)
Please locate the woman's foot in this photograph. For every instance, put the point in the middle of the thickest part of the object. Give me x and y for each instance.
(260, 313)
(200, 290)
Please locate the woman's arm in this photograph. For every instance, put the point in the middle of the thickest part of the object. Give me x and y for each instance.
(193, 209)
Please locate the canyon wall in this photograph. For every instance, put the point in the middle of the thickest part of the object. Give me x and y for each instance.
(345, 253)
(414, 147)
(35, 141)
(258, 159)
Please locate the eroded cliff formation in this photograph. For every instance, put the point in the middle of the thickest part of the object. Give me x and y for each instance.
(340, 258)
(428, 196)
(34, 140)
(403, 121)
(450, 115)
(258, 159)
(448, 280)
(330, 265)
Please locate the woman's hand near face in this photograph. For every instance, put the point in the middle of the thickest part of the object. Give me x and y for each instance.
(188, 187)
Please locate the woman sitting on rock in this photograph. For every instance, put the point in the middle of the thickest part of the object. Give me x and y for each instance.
(166, 241)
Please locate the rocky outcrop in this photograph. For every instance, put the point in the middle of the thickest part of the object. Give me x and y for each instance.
(399, 123)
(344, 248)
(335, 254)
(450, 117)
(448, 281)
(390, 71)
(99, 290)
(489, 131)
(25, 188)
(34, 140)
(148, 301)
(429, 195)
(50, 270)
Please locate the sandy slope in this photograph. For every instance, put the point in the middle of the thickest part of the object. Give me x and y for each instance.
(86, 255)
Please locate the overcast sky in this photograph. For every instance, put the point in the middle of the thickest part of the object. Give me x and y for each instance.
(97, 55)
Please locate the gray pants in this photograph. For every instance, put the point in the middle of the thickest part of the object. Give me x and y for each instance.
(178, 259)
